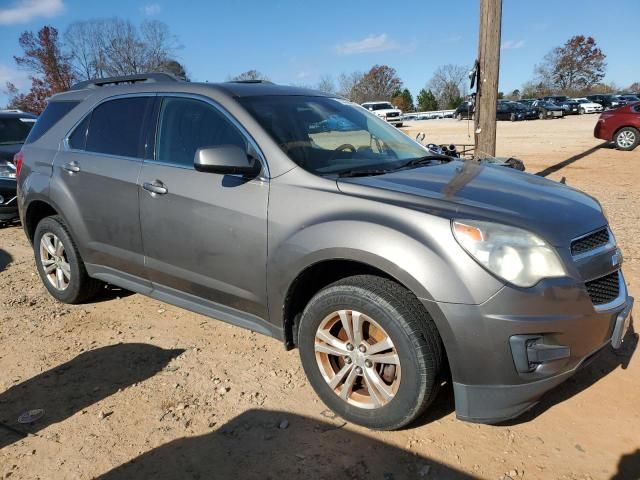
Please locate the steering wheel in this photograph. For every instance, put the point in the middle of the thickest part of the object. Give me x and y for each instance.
(342, 148)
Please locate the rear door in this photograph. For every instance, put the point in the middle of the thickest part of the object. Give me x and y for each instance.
(204, 234)
(95, 179)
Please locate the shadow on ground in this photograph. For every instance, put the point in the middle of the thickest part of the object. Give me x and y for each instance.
(253, 446)
(565, 163)
(601, 365)
(72, 386)
(5, 260)
(628, 467)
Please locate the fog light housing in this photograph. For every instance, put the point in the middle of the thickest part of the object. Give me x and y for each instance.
(529, 351)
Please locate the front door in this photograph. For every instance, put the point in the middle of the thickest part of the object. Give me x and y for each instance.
(204, 234)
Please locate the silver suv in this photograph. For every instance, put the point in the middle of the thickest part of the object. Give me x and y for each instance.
(305, 217)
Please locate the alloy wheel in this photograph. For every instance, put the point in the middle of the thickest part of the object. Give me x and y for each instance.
(357, 359)
(54, 261)
(626, 139)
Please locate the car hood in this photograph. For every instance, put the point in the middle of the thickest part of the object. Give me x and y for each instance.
(486, 192)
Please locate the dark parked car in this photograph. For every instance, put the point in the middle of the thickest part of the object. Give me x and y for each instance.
(547, 110)
(569, 106)
(528, 111)
(386, 265)
(464, 111)
(621, 126)
(14, 128)
(607, 101)
(629, 98)
(508, 111)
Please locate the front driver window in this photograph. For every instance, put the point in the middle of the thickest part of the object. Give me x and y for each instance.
(187, 125)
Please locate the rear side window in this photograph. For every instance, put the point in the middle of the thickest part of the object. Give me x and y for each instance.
(116, 127)
(14, 129)
(51, 115)
(187, 125)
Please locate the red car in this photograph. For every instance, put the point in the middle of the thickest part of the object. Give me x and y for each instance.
(621, 126)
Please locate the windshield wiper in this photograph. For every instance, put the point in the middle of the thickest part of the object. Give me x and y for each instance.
(426, 160)
(363, 173)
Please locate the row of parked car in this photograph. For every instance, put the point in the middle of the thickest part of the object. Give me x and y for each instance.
(553, 106)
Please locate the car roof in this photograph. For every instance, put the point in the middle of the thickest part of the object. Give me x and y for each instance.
(16, 114)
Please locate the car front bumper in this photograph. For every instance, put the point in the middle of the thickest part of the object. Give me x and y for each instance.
(553, 328)
(8, 200)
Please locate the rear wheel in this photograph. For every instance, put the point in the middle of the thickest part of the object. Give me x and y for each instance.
(627, 138)
(370, 351)
(59, 263)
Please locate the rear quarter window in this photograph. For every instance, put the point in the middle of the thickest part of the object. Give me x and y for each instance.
(54, 112)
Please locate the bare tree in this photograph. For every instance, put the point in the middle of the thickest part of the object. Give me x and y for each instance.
(576, 66)
(114, 46)
(326, 84)
(449, 85)
(347, 84)
(250, 75)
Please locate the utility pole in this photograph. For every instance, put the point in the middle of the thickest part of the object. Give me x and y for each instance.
(489, 72)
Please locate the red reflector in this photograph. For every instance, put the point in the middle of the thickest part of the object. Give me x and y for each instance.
(17, 161)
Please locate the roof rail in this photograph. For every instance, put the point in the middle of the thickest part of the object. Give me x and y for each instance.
(126, 80)
(251, 81)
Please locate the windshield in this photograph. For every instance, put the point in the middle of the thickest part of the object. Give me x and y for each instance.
(329, 135)
(378, 106)
(15, 129)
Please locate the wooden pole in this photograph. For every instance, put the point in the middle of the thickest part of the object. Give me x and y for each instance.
(489, 68)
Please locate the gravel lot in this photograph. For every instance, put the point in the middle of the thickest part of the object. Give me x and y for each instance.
(133, 388)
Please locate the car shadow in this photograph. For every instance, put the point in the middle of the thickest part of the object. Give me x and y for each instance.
(601, 365)
(265, 444)
(565, 163)
(628, 467)
(110, 292)
(73, 386)
(5, 259)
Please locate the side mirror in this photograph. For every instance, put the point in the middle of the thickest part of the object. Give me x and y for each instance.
(226, 160)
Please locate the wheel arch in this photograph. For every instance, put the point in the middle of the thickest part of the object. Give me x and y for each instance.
(35, 211)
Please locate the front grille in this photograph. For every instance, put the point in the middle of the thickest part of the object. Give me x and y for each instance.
(591, 241)
(604, 289)
(392, 114)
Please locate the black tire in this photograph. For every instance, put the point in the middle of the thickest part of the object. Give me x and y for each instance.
(627, 138)
(459, 117)
(398, 125)
(513, 117)
(408, 325)
(80, 286)
(541, 115)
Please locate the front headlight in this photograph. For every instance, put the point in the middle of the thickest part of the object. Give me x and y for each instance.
(7, 170)
(515, 255)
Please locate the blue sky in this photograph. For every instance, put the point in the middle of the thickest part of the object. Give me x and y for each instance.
(299, 41)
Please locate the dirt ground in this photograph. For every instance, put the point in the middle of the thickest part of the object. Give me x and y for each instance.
(134, 388)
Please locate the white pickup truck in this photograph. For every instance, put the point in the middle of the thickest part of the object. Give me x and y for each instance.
(386, 111)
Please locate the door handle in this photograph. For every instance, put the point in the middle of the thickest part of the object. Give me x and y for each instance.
(155, 187)
(71, 167)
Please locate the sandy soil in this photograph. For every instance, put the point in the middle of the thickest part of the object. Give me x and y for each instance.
(133, 388)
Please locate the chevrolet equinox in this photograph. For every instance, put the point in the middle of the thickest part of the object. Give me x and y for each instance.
(305, 217)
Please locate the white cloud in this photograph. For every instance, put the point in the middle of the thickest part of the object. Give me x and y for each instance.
(372, 43)
(512, 44)
(152, 9)
(23, 11)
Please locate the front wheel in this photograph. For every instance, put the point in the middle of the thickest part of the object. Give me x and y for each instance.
(582, 111)
(370, 351)
(627, 138)
(541, 115)
(459, 117)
